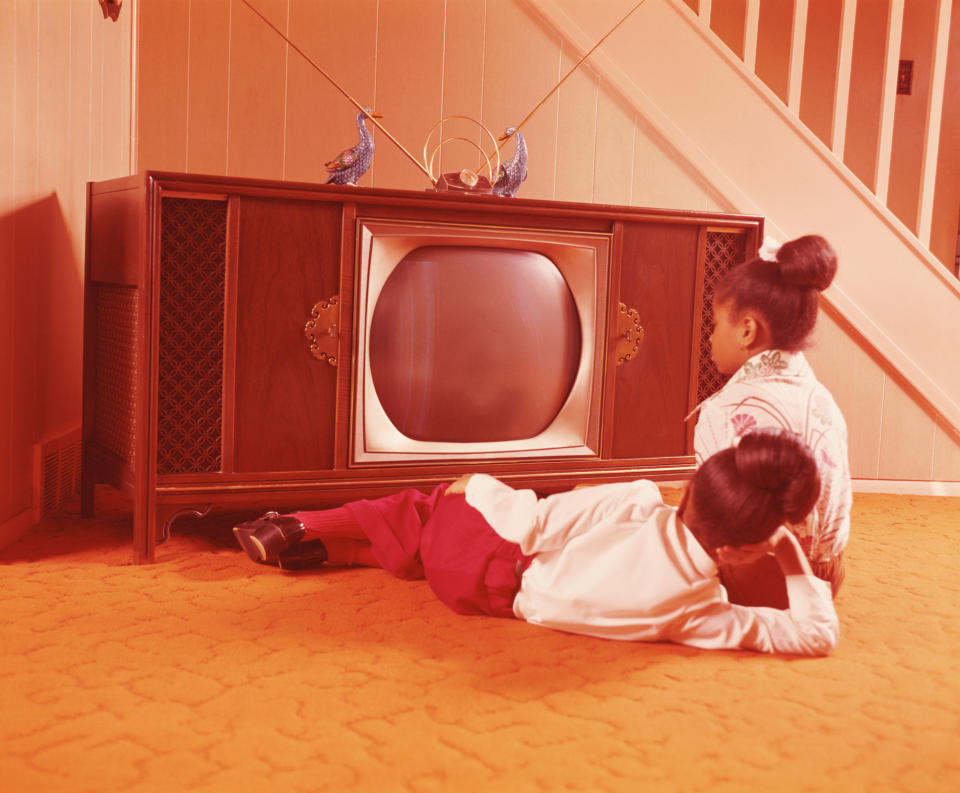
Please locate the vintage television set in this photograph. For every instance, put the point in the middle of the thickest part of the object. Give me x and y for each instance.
(251, 344)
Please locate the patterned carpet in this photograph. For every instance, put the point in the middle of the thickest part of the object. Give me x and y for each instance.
(204, 672)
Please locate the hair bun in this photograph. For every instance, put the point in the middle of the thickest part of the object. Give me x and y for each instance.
(779, 462)
(807, 262)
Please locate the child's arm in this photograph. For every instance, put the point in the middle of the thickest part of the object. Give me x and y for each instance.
(789, 554)
(539, 525)
(808, 627)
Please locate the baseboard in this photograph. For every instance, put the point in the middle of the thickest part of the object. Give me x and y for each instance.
(896, 487)
(907, 487)
(13, 529)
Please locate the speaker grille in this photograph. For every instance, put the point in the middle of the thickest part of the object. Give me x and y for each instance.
(192, 295)
(116, 369)
(722, 250)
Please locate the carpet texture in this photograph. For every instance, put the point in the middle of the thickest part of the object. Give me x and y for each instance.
(205, 672)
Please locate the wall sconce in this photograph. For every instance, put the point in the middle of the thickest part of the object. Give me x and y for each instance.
(111, 8)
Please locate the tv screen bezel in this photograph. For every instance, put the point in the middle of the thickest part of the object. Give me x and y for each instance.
(584, 261)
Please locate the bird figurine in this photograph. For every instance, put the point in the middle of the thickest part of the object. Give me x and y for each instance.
(513, 171)
(353, 163)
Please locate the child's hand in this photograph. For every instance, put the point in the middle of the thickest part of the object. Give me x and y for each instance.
(744, 554)
(458, 485)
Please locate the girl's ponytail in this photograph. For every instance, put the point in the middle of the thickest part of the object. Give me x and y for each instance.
(778, 463)
(807, 262)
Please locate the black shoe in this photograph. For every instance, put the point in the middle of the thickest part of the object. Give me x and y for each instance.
(303, 556)
(264, 538)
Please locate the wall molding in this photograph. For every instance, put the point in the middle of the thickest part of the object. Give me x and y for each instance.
(907, 487)
(893, 487)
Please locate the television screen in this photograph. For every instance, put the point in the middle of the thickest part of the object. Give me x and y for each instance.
(471, 345)
(477, 342)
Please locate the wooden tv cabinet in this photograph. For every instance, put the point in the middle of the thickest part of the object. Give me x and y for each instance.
(200, 391)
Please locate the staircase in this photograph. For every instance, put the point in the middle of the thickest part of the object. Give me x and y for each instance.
(711, 110)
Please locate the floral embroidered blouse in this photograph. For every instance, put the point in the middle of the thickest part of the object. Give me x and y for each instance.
(778, 389)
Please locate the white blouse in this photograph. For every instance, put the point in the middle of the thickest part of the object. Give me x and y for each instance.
(614, 561)
(778, 389)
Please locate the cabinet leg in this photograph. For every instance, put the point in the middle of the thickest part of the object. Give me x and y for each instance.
(144, 528)
(166, 517)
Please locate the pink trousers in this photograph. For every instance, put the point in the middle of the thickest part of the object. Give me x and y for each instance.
(470, 567)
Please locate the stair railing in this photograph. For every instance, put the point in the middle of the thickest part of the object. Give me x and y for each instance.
(922, 223)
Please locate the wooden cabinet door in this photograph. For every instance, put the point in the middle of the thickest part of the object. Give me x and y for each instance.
(668, 274)
(657, 278)
(287, 260)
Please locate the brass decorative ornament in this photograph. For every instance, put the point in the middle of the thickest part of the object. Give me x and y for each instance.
(466, 180)
(323, 330)
(630, 333)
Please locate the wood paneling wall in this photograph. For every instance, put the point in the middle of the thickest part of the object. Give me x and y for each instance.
(65, 80)
(221, 93)
(890, 435)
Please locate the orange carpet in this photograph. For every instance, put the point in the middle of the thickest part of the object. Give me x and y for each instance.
(204, 672)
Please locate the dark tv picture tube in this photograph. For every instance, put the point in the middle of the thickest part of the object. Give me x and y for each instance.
(474, 344)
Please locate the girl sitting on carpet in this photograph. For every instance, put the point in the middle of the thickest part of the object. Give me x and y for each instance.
(611, 561)
(764, 313)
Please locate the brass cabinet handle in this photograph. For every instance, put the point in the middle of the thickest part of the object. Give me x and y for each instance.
(629, 333)
(323, 330)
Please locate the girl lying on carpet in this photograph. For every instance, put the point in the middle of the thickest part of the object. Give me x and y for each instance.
(764, 313)
(611, 561)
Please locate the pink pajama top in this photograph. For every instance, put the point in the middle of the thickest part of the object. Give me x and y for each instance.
(778, 389)
(614, 561)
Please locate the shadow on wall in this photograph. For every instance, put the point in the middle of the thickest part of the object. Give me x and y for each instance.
(41, 324)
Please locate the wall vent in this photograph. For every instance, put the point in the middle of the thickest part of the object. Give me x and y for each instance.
(56, 472)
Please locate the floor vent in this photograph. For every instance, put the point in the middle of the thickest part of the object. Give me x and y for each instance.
(56, 472)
